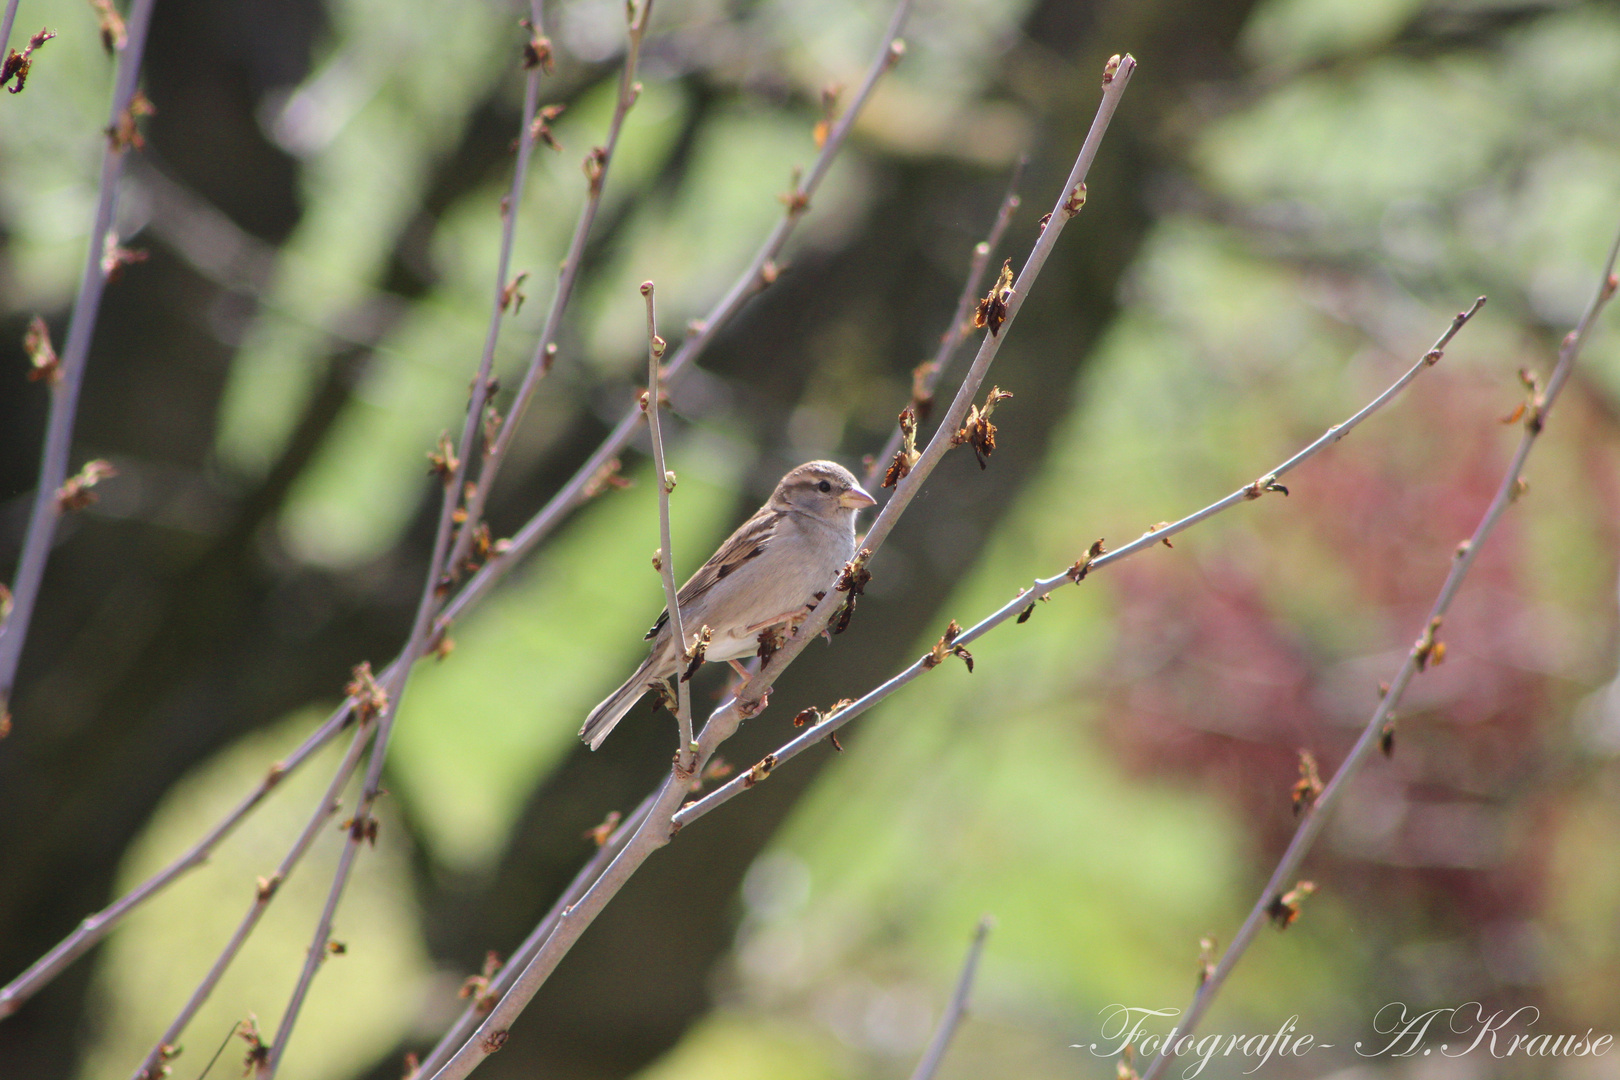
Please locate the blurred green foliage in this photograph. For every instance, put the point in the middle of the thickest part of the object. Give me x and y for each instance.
(1360, 185)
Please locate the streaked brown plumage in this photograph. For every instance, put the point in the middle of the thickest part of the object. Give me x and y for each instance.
(766, 573)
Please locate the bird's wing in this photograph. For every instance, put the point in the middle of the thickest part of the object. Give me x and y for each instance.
(748, 542)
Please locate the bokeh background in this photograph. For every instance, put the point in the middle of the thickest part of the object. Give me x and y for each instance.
(1295, 197)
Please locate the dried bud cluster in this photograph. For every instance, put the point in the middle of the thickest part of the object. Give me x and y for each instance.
(606, 477)
(1082, 565)
(946, 646)
(694, 655)
(76, 494)
(977, 430)
(537, 50)
(852, 580)
(1284, 909)
(992, 310)
(42, 357)
(477, 987)
(18, 64)
(907, 455)
(1309, 785)
(369, 698)
(124, 134)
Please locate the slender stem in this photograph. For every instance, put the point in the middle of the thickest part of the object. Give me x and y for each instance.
(957, 1009)
(754, 690)
(6, 22)
(97, 926)
(152, 1068)
(1282, 878)
(666, 556)
(519, 960)
(660, 828)
(53, 469)
(396, 678)
(573, 494)
(959, 329)
(750, 281)
(1044, 587)
(545, 349)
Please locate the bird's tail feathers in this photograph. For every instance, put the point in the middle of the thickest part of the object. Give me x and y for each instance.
(612, 710)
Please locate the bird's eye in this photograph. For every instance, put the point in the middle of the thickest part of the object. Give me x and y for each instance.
(824, 486)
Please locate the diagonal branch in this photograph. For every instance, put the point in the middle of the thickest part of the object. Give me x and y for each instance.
(153, 1067)
(1020, 605)
(69, 376)
(927, 376)
(525, 952)
(576, 492)
(580, 486)
(363, 827)
(957, 1009)
(659, 828)
(97, 926)
(666, 558)
(1417, 658)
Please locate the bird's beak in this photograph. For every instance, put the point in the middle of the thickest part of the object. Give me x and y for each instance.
(856, 498)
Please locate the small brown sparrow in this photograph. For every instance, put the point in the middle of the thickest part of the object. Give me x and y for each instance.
(767, 573)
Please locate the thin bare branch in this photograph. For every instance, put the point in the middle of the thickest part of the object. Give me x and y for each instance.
(1417, 658)
(7, 21)
(1092, 561)
(750, 281)
(395, 679)
(503, 980)
(574, 493)
(97, 926)
(957, 1009)
(666, 558)
(659, 827)
(53, 469)
(152, 1068)
(597, 164)
(928, 375)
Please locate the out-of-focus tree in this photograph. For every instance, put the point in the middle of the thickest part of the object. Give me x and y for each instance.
(1291, 193)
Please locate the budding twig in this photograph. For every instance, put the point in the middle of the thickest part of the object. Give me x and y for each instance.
(929, 1065)
(545, 350)
(749, 282)
(661, 825)
(65, 389)
(1094, 559)
(597, 472)
(1310, 827)
(683, 693)
(440, 569)
(927, 375)
(152, 1068)
(97, 926)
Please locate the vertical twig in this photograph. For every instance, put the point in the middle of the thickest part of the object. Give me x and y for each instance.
(929, 1065)
(364, 827)
(666, 558)
(596, 170)
(53, 469)
(1417, 658)
(928, 376)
